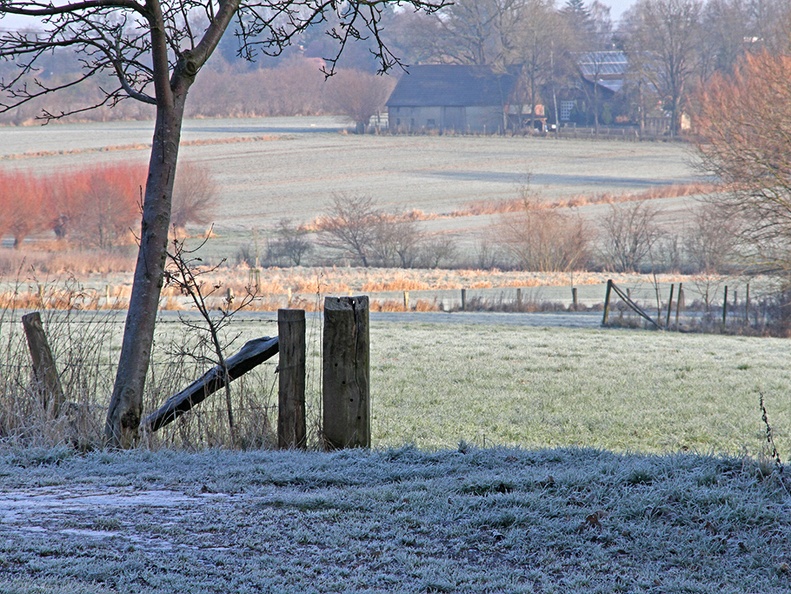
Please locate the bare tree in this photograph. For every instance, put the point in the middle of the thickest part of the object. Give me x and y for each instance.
(359, 95)
(663, 44)
(629, 232)
(743, 123)
(154, 50)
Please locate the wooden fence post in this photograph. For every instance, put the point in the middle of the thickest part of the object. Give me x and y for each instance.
(464, 300)
(291, 379)
(669, 306)
(679, 301)
(346, 398)
(574, 302)
(607, 303)
(725, 306)
(747, 305)
(519, 299)
(44, 369)
(406, 300)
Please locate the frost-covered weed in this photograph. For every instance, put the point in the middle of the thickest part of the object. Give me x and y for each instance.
(401, 520)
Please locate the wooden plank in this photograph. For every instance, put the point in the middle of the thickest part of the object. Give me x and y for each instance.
(291, 431)
(44, 369)
(636, 308)
(252, 354)
(346, 373)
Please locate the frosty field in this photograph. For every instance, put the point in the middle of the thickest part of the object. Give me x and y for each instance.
(273, 168)
(508, 457)
(399, 520)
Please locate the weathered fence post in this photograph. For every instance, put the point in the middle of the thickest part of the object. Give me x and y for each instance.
(464, 300)
(669, 306)
(725, 306)
(44, 369)
(747, 305)
(346, 398)
(406, 300)
(574, 302)
(607, 303)
(679, 301)
(519, 299)
(291, 379)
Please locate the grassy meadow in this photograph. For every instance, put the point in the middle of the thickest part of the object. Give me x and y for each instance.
(507, 457)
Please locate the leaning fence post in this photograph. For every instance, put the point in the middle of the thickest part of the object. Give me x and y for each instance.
(44, 369)
(291, 379)
(346, 398)
(607, 303)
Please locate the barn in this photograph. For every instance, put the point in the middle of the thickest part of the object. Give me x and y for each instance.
(448, 97)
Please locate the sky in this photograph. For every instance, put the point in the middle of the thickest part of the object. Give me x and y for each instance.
(617, 7)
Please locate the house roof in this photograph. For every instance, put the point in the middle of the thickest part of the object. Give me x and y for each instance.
(606, 69)
(451, 85)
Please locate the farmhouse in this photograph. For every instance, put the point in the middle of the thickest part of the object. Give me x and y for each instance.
(446, 97)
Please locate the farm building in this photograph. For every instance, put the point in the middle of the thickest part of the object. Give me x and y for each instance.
(446, 97)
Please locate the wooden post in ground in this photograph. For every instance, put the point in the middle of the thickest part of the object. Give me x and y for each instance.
(406, 300)
(574, 302)
(669, 306)
(44, 369)
(291, 379)
(725, 306)
(346, 398)
(679, 301)
(464, 300)
(607, 303)
(747, 306)
(519, 299)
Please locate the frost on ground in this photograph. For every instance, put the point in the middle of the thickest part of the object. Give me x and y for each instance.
(497, 520)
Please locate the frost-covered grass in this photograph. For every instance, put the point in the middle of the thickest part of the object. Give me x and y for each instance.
(623, 390)
(397, 520)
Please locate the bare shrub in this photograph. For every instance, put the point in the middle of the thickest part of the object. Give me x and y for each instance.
(350, 226)
(629, 232)
(195, 196)
(437, 251)
(544, 239)
(291, 243)
(22, 203)
(355, 226)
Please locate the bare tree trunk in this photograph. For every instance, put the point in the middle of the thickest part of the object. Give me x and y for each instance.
(126, 404)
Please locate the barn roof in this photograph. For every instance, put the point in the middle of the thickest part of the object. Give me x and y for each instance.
(452, 86)
(606, 68)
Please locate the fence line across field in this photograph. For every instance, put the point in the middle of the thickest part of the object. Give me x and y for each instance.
(702, 296)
